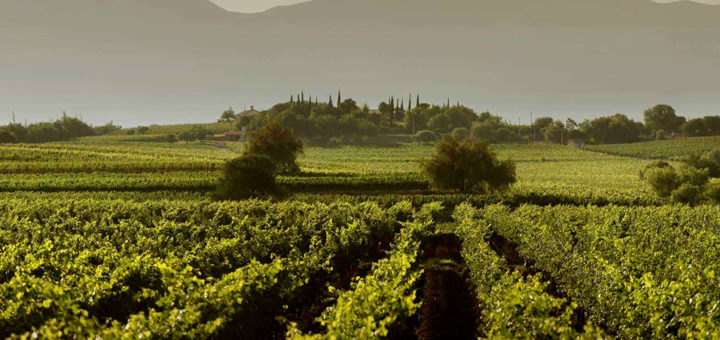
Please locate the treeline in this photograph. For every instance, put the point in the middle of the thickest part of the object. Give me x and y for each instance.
(314, 121)
(343, 120)
(62, 129)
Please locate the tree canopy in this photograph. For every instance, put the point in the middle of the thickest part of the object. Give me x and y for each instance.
(468, 166)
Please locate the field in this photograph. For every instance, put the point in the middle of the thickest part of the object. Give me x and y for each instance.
(111, 237)
(664, 149)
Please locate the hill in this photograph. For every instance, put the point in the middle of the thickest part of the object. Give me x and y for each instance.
(163, 61)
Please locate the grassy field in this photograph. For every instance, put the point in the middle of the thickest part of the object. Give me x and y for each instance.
(113, 237)
(664, 149)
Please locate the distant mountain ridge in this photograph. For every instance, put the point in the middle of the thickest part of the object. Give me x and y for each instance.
(154, 61)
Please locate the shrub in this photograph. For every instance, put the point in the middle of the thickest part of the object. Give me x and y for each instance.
(654, 165)
(425, 136)
(694, 176)
(250, 176)
(712, 192)
(469, 166)
(461, 133)
(709, 161)
(277, 143)
(660, 134)
(664, 180)
(687, 193)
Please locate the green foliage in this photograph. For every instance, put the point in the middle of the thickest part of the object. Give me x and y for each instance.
(250, 176)
(614, 129)
(694, 127)
(709, 161)
(641, 272)
(712, 192)
(194, 133)
(660, 134)
(177, 269)
(107, 129)
(687, 193)
(512, 306)
(380, 304)
(663, 117)
(468, 166)
(228, 115)
(664, 149)
(61, 129)
(460, 133)
(277, 143)
(425, 136)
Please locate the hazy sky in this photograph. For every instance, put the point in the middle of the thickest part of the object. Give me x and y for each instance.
(249, 6)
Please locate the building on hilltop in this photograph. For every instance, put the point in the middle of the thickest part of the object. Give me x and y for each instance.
(248, 113)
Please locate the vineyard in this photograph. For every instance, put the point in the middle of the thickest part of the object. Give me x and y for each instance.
(546, 173)
(663, 149)
(121, 239)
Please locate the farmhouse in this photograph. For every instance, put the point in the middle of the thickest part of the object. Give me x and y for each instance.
(576, 143)
(248, 113)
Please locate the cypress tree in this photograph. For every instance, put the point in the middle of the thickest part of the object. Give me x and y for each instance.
(417, 103)
(302, 97)
(330, 102)
(410, 102)
(392, 110)
(339, 98)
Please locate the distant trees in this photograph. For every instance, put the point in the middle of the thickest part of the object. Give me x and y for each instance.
(228, 115)
(62, 129)
(195, 133)
(663, 117)
(425, 136)
(491, 128)
(107, 129)
(346, 122)
(614, 129)
(468, 166)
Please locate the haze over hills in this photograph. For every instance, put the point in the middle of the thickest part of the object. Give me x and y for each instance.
(168, 61)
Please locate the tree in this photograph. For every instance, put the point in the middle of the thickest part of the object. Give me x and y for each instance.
(425, 136)
(460, 133)
(142, 129)
(663, 117)
(468, 166)
(694, 127)
(440, 123)
(542, 123)
(278, 143)
(6, 137)
(250, 176)
(712, 123)
(556, 133)
(614, 129)
(107, 129)
(348, 106)
(228, 115)
(194, 133)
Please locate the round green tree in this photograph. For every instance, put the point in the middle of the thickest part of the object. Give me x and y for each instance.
(468, 166)
(277, 143)
(250, 176)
